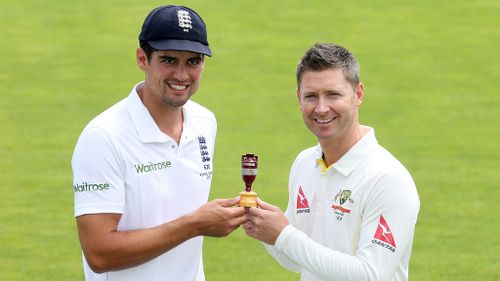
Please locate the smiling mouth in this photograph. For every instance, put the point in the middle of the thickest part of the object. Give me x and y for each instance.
(177, 87)
(324, 120)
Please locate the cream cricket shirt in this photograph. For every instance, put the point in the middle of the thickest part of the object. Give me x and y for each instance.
(124, 164)
(351, 221)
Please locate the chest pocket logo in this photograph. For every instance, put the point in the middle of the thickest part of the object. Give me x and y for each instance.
(205, 156)
(342, 203)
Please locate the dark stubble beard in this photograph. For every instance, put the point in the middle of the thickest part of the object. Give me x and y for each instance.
(171, 102)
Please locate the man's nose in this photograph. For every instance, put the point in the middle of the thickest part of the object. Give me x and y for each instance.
(322, 106)
(181, 73)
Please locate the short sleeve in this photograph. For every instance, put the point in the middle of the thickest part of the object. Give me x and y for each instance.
(98, 176)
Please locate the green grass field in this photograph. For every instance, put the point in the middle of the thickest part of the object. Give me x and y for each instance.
(431, 75)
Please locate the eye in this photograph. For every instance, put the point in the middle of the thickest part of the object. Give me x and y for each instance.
(334, 95)
(167, 60)
(194, 61)
(309, 96)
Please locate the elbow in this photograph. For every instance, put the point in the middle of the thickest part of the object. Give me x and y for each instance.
(98, 268)
(97, 263)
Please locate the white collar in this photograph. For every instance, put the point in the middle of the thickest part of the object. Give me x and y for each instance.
(146, 126)
(349, 161)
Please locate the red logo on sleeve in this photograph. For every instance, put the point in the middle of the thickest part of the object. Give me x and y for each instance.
(384, 233)
(302, 202)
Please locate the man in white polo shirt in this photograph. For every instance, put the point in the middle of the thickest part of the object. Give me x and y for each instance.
(352, 206)
(143, 168)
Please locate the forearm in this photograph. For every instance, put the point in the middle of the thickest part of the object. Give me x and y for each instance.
(282, 259)
(106, 248)
(321, 261)
(112, 250)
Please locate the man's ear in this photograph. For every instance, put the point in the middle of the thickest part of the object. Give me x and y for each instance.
(359, 95)
(298, 95)
(141, 58)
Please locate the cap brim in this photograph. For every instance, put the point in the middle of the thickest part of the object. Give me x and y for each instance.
(181, 45)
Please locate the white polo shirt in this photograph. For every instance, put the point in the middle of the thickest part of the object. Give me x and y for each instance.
(124, 164)
(351, 221)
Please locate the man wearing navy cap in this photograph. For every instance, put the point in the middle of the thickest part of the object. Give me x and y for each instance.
(142, 169)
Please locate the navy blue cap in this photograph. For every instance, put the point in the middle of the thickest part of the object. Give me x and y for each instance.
(175, 28)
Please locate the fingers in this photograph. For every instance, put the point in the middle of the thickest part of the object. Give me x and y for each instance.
(237, 216)
(249, 231)
(249, 228)
(241, 220)
(266, 206)
(228, 202)
(236, 212)
(264, 210)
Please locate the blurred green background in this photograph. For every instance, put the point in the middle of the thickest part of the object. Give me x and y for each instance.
(431, 76)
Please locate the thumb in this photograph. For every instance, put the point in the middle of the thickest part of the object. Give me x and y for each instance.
(228, 202)
(266, 206)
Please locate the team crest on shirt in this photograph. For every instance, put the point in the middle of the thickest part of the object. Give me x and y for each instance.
(342, 203)
(302, 203)
(205, 157)
(383, 235)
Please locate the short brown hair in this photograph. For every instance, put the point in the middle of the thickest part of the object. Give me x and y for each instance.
(324, 56)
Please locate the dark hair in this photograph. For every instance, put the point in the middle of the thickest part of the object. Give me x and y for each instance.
(324, 56)
(147, 49)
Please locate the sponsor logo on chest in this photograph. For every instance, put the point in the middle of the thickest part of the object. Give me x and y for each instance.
(151, 166)
(157, 166)
(302, 203)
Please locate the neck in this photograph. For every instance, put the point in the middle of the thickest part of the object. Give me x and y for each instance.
(333, 150)
(169, 119)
